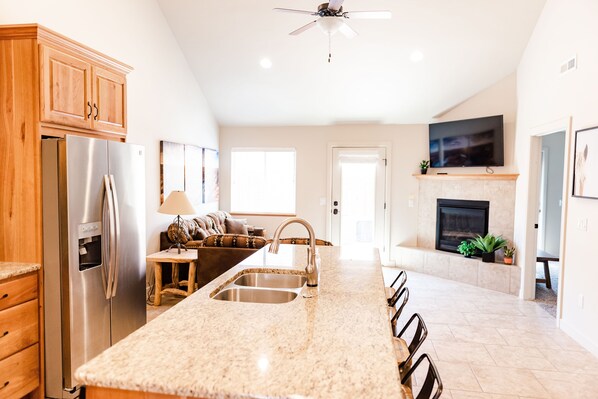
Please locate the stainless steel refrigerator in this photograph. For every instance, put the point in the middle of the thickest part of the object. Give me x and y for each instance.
(94, 252)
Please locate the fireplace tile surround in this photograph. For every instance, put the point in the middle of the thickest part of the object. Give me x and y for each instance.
(500, 194)
(424, 258)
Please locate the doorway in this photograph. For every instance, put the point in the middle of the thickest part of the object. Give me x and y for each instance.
(358, 197)
(550, 205)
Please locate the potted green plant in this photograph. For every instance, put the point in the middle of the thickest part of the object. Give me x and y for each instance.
(466, 248)
(509, 253)
(423, 166)
(488, 245)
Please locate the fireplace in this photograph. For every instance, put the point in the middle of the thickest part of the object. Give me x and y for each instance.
(459, 220)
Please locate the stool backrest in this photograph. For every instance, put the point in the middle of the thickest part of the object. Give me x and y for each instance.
(420, 335)
(404, 294)
(431, 381)
(403, 279)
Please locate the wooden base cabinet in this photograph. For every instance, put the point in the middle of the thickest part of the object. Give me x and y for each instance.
(19, 337)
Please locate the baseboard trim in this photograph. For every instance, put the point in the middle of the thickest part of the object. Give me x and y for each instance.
(581, 338)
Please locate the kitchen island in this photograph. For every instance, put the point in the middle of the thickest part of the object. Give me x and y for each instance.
(337, 344)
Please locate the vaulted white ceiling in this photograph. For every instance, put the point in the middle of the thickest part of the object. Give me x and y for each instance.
(468, 45)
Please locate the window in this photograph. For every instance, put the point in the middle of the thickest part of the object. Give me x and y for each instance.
(263, 180)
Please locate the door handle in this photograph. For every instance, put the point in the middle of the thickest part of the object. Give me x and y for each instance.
(335, 211)
(90, 110)
(109, 201)
(335, 203)
(116, 236)
(95, 117)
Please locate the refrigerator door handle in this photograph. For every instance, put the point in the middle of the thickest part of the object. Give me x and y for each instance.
(117, 236)
(112, 239)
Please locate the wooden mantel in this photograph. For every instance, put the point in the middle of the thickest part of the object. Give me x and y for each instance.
(485, 176)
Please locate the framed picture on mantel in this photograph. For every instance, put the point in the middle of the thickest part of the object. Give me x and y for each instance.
(585, 170)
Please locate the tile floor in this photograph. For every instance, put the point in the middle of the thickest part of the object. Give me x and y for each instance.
(489, 345)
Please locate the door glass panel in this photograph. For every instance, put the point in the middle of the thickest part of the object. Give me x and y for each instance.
(358, 195)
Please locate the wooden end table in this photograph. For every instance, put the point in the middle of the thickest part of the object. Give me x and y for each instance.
(173, 257)
(544, 257)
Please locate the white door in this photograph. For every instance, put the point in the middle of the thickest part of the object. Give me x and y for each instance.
(358, 197)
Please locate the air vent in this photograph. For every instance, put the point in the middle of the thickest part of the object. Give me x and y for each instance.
(569, 65)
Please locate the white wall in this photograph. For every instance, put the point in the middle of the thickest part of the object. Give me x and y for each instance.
(555, 146)
(164, 100)
(409, 145)
(564, 29)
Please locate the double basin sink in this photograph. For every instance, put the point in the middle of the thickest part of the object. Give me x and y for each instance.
(257, 287)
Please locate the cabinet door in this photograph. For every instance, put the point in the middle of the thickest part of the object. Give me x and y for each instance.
(109, 101)
(66, 89)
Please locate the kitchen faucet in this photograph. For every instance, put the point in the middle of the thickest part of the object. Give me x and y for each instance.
(313, 268)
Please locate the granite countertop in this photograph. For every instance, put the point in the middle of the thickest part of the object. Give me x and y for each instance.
(13, 269)
(337, 344)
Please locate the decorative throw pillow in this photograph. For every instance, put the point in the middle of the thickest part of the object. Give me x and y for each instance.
(235, 226)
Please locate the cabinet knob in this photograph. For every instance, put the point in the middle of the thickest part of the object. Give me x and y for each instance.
(95, 117)
(4, 296)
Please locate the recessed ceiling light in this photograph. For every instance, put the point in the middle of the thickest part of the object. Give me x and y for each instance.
(417, 56)
(266, 63)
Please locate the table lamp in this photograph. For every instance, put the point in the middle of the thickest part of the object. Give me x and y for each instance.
(178, 204)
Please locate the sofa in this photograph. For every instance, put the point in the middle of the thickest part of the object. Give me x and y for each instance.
(221, 242)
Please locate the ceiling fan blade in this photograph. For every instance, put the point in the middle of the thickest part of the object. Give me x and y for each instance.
(303, 28)
(368, 14)
(295, 11)
(335, 5)
(346, 30)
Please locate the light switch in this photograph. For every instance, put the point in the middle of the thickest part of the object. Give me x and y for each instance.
(411, 202)
(322, 201)
(582, 224)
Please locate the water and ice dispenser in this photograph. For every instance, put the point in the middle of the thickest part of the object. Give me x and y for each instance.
(90, 245)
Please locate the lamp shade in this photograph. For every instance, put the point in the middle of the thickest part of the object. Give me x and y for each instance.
(177, 203)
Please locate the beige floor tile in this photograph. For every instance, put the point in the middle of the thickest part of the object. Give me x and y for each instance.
(509, 381)
(458, 376)
(457, 352)
(572, 361)
(491, 320)
(516, 337)
(519, 357)
(479, 395)
(439, 332)
(480, 335)
(499, 308)
(443, 317)
(568, 385)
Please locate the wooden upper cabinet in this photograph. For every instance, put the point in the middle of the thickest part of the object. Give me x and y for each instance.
(66, 89)
(109, 101)
(81, 91)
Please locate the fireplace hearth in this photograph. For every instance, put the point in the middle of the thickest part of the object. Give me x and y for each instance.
(459, 220)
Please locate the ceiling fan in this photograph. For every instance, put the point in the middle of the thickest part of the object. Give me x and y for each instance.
(331, 18)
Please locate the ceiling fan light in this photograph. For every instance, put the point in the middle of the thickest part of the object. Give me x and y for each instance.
(330, 25)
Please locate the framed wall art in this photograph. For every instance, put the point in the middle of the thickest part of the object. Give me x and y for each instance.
(191, 169)
(211, 187)
(172, 168)
(193, 175)
(585, 169)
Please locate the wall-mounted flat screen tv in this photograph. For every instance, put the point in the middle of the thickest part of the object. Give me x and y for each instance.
(470, 142)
